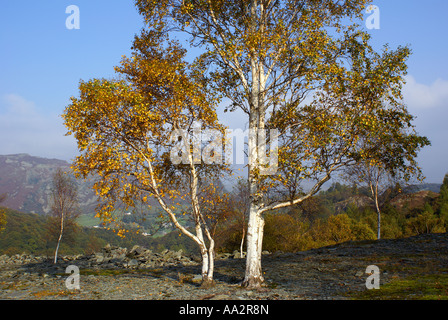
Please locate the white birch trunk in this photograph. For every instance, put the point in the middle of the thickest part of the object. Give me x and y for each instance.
(378, 211)
(207, 255)
(59, 240)
(208, 281)
(254, 276)
(242, 242)
(374, 191)
(208, 258)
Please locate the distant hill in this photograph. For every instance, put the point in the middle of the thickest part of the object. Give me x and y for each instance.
(414, 200)
(359, 200)
(413, 196)
(434, 187)
(27, 182)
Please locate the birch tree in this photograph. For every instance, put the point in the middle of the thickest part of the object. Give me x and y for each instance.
(139, 135)
(384, 167)
(376, 178)
(64, 205)
(265, 57)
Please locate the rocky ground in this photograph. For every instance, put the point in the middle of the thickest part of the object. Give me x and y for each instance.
(320, 274)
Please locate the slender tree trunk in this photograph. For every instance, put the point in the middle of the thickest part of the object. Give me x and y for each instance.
(208, 281)
(59, 240)
(208, 255)
(374, 190)
(379, 218)
(242, 241)
(208, 258)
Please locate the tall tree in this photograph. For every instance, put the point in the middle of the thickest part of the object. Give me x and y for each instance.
(265, 56)
(64, 205)
(378, 181)
(142, 136)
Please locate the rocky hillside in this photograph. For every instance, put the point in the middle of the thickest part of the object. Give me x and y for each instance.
(356, 200)
(415, 200)
(414, 197)
(27, 182)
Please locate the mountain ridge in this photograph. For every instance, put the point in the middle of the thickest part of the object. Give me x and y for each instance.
(27, 182)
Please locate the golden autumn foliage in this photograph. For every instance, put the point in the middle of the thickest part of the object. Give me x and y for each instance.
(287, 233)
(358, 117)
(265, 58)
(124, 133)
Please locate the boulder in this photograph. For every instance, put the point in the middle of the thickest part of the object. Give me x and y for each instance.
(237, 254)
(133, 263)
(223, 256)
(136, 251)
(149, 264)
(99, 258)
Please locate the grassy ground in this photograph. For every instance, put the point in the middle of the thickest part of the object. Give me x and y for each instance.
(416, 287)
(88, 220)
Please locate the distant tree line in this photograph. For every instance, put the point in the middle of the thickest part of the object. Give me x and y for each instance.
(317, 222)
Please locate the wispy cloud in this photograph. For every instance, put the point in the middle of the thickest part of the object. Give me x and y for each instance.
(17, 105)
(26, 129)
(429, 103)
(418, 95)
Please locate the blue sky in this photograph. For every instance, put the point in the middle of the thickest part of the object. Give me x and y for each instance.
(41, 63)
